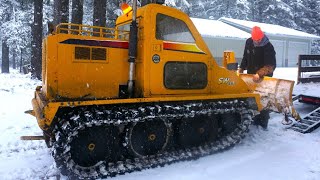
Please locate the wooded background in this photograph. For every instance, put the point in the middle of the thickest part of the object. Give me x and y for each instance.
(24, 22)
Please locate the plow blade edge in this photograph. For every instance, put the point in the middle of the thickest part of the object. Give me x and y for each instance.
(276, 94)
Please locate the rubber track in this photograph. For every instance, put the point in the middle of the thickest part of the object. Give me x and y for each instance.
(67, 130)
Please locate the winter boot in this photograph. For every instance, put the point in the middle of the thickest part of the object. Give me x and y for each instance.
(262, 119)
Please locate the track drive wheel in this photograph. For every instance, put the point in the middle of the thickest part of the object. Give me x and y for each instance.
(148, 137)
(94, 144)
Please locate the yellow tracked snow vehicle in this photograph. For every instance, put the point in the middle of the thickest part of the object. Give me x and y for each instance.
(145, 93)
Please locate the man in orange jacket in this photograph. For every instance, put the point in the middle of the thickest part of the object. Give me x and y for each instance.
(259, 58)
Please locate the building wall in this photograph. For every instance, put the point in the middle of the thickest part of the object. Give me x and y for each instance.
(218, 45)
(294, 50)
(291, 48)
(280, 48)
(287, 49)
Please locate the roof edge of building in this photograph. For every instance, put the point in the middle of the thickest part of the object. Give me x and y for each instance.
(248, 29)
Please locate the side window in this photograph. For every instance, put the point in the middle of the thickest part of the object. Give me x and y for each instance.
(172, 29)
(123, 32)
(185, 75)
(124, 29)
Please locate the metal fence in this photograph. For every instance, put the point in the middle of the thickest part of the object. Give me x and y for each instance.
(308, 68)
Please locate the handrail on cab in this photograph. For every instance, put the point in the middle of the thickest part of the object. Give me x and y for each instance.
(87, 30)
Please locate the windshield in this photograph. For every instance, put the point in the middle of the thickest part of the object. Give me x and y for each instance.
(172, 29)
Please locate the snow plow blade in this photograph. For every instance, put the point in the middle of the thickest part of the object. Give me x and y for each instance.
(276, 94)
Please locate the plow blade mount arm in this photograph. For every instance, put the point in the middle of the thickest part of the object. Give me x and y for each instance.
(276, 94)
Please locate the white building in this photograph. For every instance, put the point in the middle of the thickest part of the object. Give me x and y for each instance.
(231, 34)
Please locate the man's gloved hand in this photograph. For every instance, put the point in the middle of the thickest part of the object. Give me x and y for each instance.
(256, 78)
(240, 70)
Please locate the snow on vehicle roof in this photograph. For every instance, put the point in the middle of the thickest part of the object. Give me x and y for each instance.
(214, 28)
(269, 29)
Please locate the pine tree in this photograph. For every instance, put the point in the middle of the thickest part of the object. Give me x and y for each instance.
(77, 11)
(18, 30)
(312, 14)
(99, 12)
(258, 9)
(77, 14)
(5, 58)
(298, 11)
(61, 11)
(241, 10)
(36, 59)
(279, 13)
(197, 9)
(14, 66)
(144, 2)
(24, 35)
(87, 12)
(5, 14)
(113, 11)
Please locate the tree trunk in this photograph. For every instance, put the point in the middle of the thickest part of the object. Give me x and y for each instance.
(36, 59)
(145, 2)
(5, 49)
(5, 57)
(56, 10)
(99, 14)
(64, 11)
(77, 13)
(14, 66)
(60, 12)
(252, 10)
(20, 70)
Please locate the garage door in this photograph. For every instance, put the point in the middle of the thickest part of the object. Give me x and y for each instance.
(279, 47)
(218, 45)
(295, 49)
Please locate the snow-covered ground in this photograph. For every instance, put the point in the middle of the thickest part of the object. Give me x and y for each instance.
(276, 154)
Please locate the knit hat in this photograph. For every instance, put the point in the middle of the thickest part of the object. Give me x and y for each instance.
(256, 33)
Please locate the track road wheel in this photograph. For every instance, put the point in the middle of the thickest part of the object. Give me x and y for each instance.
(147, 138)
(94, 144)
(197, 131)
(229, 122)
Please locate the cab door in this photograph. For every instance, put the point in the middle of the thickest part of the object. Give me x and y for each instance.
(177, 65)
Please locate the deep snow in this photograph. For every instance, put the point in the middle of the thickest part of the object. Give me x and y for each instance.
(277, 154)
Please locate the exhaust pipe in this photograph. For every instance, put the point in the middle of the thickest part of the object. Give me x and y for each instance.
(133, 42)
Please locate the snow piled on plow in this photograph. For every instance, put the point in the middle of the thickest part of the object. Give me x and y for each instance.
(277, 154)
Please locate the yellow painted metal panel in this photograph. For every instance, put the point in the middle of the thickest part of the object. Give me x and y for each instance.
(46, 116)
(71, 78)
(82, 81)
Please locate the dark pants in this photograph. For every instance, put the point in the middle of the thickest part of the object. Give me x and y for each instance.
(262, 119)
